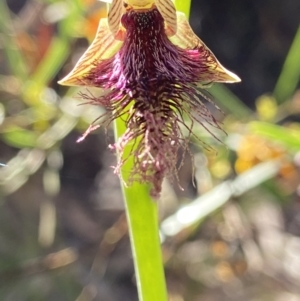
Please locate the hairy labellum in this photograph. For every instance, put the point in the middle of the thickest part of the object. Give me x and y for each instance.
(155, 79)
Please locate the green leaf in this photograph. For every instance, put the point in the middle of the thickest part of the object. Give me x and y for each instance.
(290, 74)
(18, 137)
(8, 42)
(229, 101)
(290, 138)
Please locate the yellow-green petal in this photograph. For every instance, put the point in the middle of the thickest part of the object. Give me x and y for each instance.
(185, 38)
(103, 47)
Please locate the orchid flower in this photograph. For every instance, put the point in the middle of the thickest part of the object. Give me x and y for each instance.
(153, 69)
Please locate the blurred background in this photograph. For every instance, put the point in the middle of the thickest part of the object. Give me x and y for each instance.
(231, 235)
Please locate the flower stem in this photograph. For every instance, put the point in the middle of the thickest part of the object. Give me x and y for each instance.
(183, 6)
(142, 220)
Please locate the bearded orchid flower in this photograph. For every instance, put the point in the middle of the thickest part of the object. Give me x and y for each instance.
(151, 68)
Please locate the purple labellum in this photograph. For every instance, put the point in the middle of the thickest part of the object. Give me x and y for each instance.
(157, 80)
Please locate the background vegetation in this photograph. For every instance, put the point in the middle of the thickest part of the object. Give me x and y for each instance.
(234, 235)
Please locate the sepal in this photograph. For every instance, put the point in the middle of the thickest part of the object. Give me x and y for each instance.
(103, 47)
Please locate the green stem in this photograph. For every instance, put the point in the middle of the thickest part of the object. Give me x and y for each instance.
(142, 218)
(183, 6)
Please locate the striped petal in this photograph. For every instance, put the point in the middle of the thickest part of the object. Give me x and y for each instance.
(168, 12)
(140, 4)
(185, 38)
(114, 16)
(103, 47)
